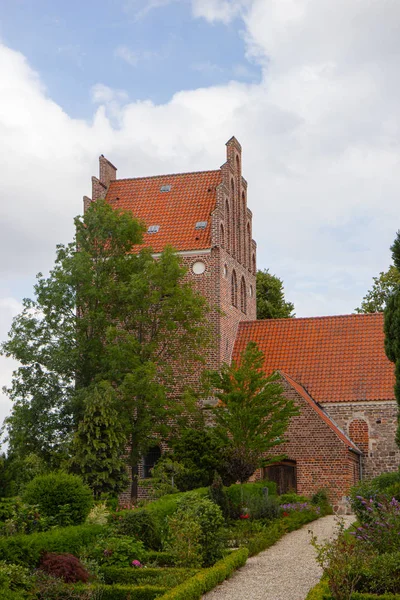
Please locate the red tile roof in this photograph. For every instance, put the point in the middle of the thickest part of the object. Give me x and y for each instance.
(336, 359)
(192, 198)
(324, 416)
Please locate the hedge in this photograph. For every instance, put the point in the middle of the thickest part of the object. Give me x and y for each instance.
(162, 559)
(207, 579)
(26, 549)
(321, 592)
(165, 577)
(129, 592)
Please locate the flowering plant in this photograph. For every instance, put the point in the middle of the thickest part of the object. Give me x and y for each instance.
(298, 507)
(381, 528)
(244, 516)
(136, 563)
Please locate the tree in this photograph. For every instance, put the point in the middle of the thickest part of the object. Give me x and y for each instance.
(103, 314)
(392, 329)
(382, 289)
(271, 303)
(99, 443)
(252, 413)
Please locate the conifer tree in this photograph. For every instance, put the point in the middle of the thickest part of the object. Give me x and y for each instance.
(271, 303)
(392, 330)
(99, 443)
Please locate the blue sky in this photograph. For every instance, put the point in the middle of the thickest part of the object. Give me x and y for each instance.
(309, 87)
(149, 53)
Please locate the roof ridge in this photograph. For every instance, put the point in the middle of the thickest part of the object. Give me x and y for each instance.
(320, 317)
(166, 175)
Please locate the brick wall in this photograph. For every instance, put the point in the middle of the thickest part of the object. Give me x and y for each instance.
(323, 461)
(374, 425)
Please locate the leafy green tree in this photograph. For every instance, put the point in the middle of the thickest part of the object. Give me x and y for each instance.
(103, 314)
(382, 289)
(99, 443)
(252, 413)
(271, 303)
(199, 451)
(392, 329)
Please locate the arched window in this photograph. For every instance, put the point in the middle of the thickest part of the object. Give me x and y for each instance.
(228, 226)
(221, 236)
(243, 298)
(150, 459)
(238, 164)
(248, 244)
(253, 264)
(234, 230)
(234, 288)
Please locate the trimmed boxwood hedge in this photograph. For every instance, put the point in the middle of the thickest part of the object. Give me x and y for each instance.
(166, 577)
(129, 592)
(207, 579)
(26, 549)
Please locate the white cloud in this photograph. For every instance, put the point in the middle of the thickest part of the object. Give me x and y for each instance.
(219, 10)
(127, 55)
(320, 138)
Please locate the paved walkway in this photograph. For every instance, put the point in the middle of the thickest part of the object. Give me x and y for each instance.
(286, 571)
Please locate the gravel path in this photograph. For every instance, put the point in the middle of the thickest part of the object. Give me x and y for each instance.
(286, 571)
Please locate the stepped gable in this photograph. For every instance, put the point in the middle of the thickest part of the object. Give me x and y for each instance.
(190, 200)
(336, 359)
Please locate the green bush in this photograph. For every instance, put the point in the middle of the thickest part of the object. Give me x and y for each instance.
(116, 551)
(202, 512)
(380, 574)
(141, 524)
(387, 484)
(263, 507)
(292, 498)
(15, 577)
(206, 580)
(320, 591)
(60, 495)
(167, 505)
(160, 559)
(164, 577)
(184, 534)
(7, 507)
(26, 549)
(240, 496)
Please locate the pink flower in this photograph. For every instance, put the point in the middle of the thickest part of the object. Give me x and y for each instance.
(136, 563)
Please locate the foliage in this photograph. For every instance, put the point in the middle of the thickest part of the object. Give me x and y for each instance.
(98, 515)
(342, 560)
(53, 588)
(20, 470)
(199, 451)
(99, 443)
(207, 579)
(252, 414)
(385, 485)
(64, 566)
(164, 477)
(291, 497)
(194, 511)
(15, 577)
(60, 495)
(263, 507)
(271, 303)
(167, 577)
(126, 592)
(184, 534)
(116, 551)
(141, 524)
(26, 549)
(380, 574)
(25, 518)
(240, 496)
(379, 528)
(164, 507)
(384, 286)
(104, 314)
(218, 495)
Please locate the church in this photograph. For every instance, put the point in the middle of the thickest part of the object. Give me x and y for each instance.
(334, 368)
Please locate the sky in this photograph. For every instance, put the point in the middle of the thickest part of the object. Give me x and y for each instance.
(309, 87)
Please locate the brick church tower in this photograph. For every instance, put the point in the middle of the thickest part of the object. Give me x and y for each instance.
(204, 217)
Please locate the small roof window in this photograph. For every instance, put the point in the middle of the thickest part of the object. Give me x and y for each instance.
(153, 229)
(165, 188)
(201, 224)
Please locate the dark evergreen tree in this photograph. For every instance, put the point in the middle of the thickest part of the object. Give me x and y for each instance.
(271, 303)
(392, 329)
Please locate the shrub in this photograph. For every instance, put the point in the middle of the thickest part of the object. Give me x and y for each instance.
(116, 551)
(64, 566)
(52, 588)
(184, 533)
(98, 515)
(263, 507)
(126, 592)
(60, 495)
(206, 580)
(199, 452)
(27, 549)
(164, 577)
(218, 495)
(380, 526)
(139, 523)
(7, 507)
(292, 498)
(240, 495)
(25, 519)
(160, 559)
(380, 574)
(15, 577)
(210, 520)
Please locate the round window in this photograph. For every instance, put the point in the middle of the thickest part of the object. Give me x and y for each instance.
(198, 267)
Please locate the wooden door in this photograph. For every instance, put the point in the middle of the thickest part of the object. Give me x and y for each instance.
(284, 475)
